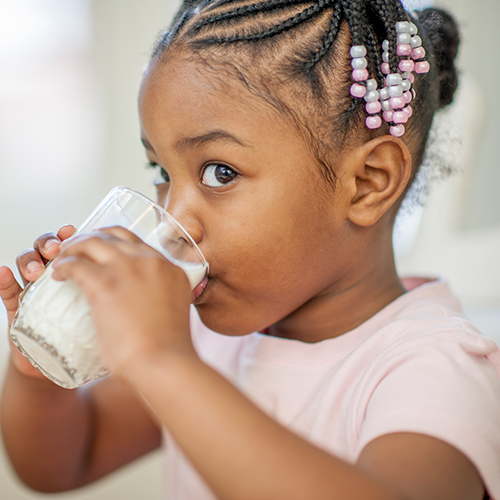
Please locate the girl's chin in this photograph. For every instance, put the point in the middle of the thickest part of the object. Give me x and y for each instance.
(221, 322)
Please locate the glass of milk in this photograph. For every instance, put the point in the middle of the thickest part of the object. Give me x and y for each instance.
(53, 327)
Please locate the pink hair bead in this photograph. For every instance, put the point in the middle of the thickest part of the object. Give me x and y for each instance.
(388, 116)
(404, 49)
(397, 102)
(373, 107)
(358, 90)
(418, 53)
(406, 65)
(422, 67)
(373, 122)
(408, 110)
(412, 78)
(386, 69)
(360, 75)
(399, 117)
(398, 130)
(408, 97)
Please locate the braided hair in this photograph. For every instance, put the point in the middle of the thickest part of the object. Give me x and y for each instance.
(295, 55)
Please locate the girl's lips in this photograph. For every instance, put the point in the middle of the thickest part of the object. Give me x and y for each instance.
(199, 288)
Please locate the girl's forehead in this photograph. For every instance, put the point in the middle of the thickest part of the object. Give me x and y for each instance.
(182, 96)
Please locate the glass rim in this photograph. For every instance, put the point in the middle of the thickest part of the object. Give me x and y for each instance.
(157, 207)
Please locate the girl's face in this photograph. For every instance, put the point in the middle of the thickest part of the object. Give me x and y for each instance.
(245, 185)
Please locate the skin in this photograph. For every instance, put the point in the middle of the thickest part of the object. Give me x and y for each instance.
(284, 253)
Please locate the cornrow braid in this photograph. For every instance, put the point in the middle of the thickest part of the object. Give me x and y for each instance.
(355, 13)
(373, 48)
(385, 10)
(286, 25)
(328, 40)
(244, 11)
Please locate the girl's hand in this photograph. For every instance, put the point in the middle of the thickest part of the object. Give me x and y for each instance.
(140, 301)
(30, 264)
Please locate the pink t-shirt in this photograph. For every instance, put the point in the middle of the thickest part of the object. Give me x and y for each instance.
(416, 366)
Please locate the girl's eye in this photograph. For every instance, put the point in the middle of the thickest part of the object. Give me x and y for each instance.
(161, 176)
(217, 174)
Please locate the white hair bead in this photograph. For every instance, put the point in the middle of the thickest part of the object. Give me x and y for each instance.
(371, 96)
(371, 85)
(359, 63)
(415, 42)
(394, 79)
(385, 45)
(406, 85)
(406, 75)
(383, 94)
(395, 91)
(403, 27)
(385, 56)
(386, 105)
(358, 51)
(404, 38)
(413, 29)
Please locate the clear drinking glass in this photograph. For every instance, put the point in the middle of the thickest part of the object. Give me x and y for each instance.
(53, 327)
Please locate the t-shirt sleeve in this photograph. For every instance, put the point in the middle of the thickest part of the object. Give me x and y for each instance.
(448, 389)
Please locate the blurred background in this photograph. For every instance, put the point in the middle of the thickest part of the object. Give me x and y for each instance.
(69, 132)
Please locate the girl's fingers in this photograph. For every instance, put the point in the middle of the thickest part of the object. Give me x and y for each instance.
(104, 246)
(66, 232)
(48, 245)
(84, 272)
(30, 265)
(9, 291)
(122, 234)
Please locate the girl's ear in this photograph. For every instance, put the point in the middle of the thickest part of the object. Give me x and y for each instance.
(379, 172)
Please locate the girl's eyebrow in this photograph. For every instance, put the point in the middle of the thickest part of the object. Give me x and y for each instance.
(213, 136)
(190, 142)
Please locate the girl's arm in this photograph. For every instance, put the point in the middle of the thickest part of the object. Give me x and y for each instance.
(240, 451)
(244, 454)
(60, 439)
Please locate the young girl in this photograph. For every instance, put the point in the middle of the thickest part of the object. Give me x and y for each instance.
(284, 135)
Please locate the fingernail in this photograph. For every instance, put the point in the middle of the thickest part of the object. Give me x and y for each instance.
(50, 244)
(33, 267)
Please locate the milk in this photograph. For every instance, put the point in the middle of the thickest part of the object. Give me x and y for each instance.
(54, 330)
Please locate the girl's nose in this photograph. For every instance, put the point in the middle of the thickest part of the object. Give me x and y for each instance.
(185, 214)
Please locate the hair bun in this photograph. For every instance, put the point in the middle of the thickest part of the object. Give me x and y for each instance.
(442, 32)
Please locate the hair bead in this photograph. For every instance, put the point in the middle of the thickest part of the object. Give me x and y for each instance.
(404, 38)
(397, 102)
(360, 75)
(394, 98)
(406, 65)
(371, 84)
(358, 51)
(422, 67)
(371, 96)
(418, 53)
(395, 91)
(373, 122)
(415, 42)
(393, 79)
(397, 131)
(399, 117)
(358, 90)
(359, 63)
(373, 108)
(404, 49)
